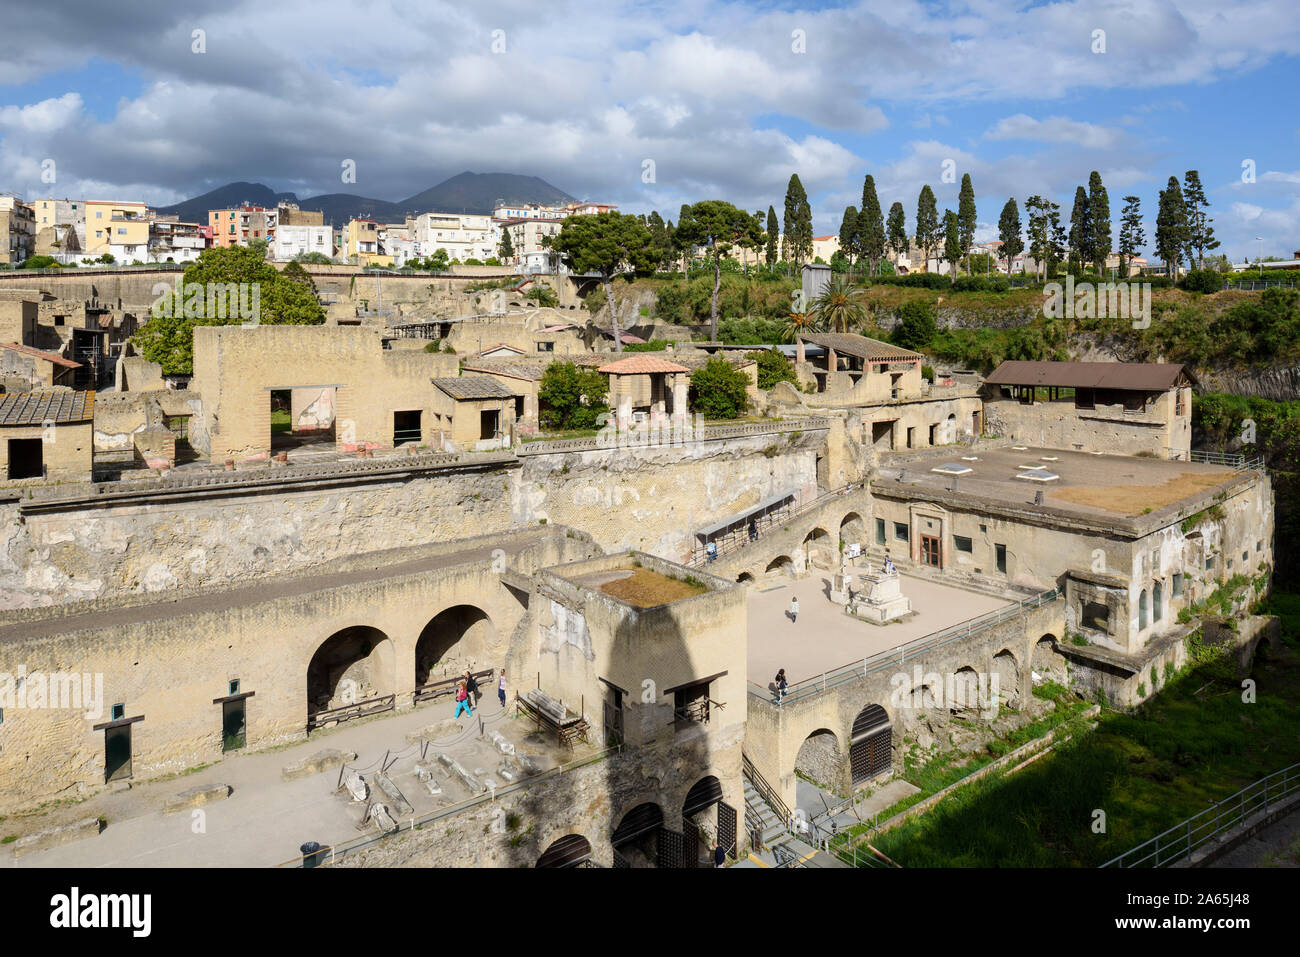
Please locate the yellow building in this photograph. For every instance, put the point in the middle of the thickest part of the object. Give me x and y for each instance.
(363, 240)
(119, 228)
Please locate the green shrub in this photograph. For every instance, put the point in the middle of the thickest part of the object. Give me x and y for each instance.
(773, 367)
(719, 390)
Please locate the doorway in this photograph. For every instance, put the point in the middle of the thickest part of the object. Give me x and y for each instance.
(234, 725)
(488, 424)
(117, 753)
(25, 459)
(930, 554)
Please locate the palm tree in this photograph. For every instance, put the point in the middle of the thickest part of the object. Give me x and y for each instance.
(799, 323)
(840, 307)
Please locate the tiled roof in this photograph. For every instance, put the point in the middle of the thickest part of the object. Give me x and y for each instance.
(641, 364)
(1139, 376)
(40, 354)
(860, 346)
(473, 387)
(37, 408)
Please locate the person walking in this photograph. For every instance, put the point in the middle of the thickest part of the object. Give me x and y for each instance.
(710, 553)
(719, 855)
(753, 530)
(501, 688)
(471, 688)
(780, 685)
(462, 701)
(794, 609)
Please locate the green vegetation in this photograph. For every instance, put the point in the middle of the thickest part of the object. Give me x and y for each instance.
(167, 336)
(1195, 743)
(571, 397)
(654, 345)
(719, 390)
(773, 367)
(916, 325)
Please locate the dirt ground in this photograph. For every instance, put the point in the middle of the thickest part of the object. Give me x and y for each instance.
(1134, 499)
(648, 589)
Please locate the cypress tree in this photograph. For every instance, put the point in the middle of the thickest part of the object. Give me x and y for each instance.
(1099, 211)
(927, 223)
(967, 217)
(871, 226)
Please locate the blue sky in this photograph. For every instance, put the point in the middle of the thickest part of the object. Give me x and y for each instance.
(725, 99)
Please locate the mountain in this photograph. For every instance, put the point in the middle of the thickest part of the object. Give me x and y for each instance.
(225, 197)
(464, 193)
(479, 193)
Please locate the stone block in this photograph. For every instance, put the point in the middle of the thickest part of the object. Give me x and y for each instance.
(196, 797)
(318, 762)
(435, 732)
(54, 836)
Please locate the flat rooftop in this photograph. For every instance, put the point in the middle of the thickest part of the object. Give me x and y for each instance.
(1086, 485)
(825, 638)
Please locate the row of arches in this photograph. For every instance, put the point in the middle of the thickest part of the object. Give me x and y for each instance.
(642, 839)
(822, 758)
(358, 663)
(817, 543)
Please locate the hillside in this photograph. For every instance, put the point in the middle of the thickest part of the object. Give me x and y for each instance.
(464, 193)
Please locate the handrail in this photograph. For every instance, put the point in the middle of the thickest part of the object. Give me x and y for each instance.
(1182, 840)
(703, 558)
(765, 790)
(905, 652)
(340, 850)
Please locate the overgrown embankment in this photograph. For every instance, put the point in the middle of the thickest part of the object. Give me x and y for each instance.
(1099, 794)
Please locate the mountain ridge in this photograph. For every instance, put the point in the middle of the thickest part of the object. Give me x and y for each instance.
(467, 192)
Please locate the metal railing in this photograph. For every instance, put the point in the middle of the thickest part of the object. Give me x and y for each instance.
(1182, 840)
(765, 791)
(895, 657)
(765, 524)
(1236, 460)
(343, 849)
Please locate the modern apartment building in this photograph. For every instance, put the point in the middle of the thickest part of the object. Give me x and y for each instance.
(461, 236)
(17, 230)
(118, 228)
(296, 240)
(171, 241)
(239, 226)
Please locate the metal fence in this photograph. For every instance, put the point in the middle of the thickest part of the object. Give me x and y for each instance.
(765, 524)
(1236, 460)
(896, 657)
(333, 853)
(1182, 840)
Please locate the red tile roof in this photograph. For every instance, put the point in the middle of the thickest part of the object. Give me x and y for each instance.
(641, 365)
(41, 354)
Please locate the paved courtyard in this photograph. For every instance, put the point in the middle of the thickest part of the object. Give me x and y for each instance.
(824, 637)
(265, 819)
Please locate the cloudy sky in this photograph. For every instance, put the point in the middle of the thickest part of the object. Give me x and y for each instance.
(724, 99)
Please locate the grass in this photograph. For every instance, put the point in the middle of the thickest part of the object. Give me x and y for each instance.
(1195, 743)
(281, 422)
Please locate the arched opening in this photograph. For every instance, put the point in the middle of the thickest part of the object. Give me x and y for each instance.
(745, 578)
(350, 670)
(782, 565)
(456, 640)
(819, 550)
(965, 691)
(820, 760)
(950, 428)
(853, 529)
(1008, 675)
(572, 850)
(1142, 610)
(870, 753)
(1157, 601)
(707, 818)
(636, 839)
(1046, 663)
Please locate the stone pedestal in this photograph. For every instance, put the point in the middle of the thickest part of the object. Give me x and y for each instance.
(881, 598)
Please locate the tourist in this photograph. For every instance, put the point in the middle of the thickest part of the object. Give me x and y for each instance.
(780, 685)
(753, 530)
(471, 688)
(710, 552)
(889, 564)
(794, 609)
(462, 701)
(501, 688)
(719, 855)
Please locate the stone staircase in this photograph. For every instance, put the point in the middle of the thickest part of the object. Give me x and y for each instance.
(759, 814)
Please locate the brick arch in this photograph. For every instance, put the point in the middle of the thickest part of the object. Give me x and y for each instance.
(460, 636)
(1010, 688)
